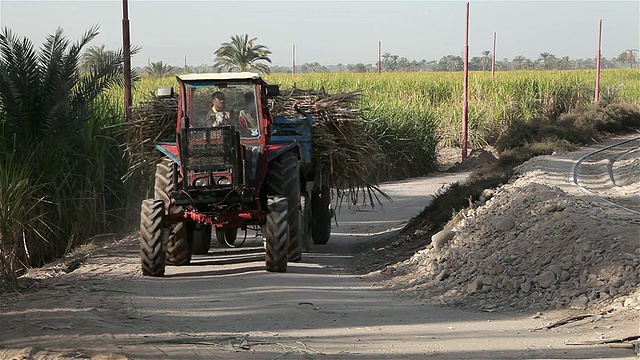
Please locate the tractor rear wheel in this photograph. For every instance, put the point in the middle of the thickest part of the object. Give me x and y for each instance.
(283, 179)
(200, 238)
(276, 234)
(178, 246)
(152, 248)
(226, 237)
(321, 215)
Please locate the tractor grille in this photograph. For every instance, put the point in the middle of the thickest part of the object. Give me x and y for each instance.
(211, 149)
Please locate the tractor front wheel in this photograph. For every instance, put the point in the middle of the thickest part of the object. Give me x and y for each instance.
(152, 248)
(178, 246)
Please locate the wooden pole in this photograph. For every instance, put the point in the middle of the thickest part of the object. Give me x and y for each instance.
(465, 99)
(126, 45)
(493, 57)
(379, 57)
(597, 96)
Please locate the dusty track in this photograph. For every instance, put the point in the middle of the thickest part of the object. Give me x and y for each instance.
(225, 306)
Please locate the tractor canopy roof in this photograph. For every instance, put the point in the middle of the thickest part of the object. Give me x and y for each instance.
(219, 76)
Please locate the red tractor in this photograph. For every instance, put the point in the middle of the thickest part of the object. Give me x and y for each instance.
(233, 167)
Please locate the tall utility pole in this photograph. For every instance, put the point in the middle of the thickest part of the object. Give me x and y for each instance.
(379, 57)
(493, 57)
(465, 98)
(126, 48)
(293, 61)
(597, 96)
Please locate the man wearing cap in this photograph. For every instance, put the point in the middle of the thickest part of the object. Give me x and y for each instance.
(217, 116)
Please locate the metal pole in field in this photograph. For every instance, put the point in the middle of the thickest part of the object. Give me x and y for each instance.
(597, 97)
(465, 99)
(493, 58)
(126, 44)
(379, 57)
(293, 61)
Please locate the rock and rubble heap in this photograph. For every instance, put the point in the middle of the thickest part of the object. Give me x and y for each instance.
(529, 245)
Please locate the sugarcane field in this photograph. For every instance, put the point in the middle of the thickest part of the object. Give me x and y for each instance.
(472, 207)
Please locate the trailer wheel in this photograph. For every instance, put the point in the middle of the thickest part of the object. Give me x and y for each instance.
(321, 215)
(152, 248)
(200, 238)
(276, 234)
(305, 222)
(226, 237)
(178, 246)
(283, 179)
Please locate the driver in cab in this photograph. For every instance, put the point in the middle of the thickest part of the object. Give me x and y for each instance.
(218, 116)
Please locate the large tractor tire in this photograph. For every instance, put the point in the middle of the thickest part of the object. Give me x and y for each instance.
(200, 238)
(283, 179)
(305, 222)
(276, 234)
(152, 247)
(178, 246)
(321, 215)
(226, 237)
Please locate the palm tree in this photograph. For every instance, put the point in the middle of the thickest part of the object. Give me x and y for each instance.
(564, 63)
(518, 62)
(628, 56)
(485, 59)
(159, 69)
(95, 56)
(242, 54)
(546, 59)
(51, 119)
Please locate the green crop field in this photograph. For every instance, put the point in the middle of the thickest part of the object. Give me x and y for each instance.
(413, 113)
(420, 102)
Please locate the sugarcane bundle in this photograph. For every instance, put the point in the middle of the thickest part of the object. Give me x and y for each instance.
(153, 121)
(343, 152)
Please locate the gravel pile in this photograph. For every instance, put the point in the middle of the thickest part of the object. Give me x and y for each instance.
(529, 245)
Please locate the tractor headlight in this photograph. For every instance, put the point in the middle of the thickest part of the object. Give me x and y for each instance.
(201, 182)
(224, 181)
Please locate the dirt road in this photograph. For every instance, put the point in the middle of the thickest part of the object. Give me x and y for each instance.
(225, 306)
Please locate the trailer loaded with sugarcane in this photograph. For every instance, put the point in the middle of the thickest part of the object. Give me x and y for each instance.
(250, 165)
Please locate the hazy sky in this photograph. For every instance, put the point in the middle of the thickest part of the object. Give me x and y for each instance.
(332, 32)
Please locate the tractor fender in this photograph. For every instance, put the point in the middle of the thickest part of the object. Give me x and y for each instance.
(170, 149)
(276, 150)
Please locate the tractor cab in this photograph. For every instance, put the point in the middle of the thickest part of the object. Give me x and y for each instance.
(225, 99)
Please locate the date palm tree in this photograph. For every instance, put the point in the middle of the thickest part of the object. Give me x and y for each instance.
(242, 54)
(95, 56)
(628, 56)
(486, 60)
(159, 69)
(51, 123)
